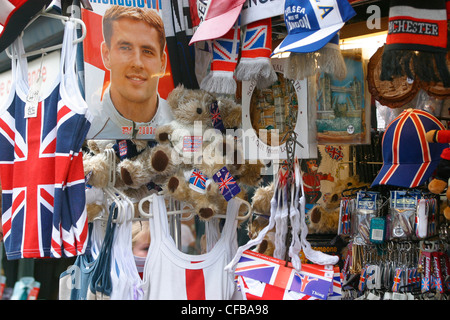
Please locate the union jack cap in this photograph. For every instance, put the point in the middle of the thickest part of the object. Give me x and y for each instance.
(15, 16)
(408, 159)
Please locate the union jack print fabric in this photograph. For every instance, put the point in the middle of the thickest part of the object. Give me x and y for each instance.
(226, 51)
(257, 39)
(41, 167)
(314, 281)
(198, 181)
(228, 186)
(408, 159)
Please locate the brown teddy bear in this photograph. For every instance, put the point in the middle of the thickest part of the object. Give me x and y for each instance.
(261, 211)
(440, 182)
(197, 186)
(97, 168)
(324, 218)
(151, 164)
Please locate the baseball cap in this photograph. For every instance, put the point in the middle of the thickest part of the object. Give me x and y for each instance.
(312, 24)
(15, 16)
(219, 19)
(408, 159)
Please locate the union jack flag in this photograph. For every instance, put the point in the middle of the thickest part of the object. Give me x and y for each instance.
(335, 153)
(227, 185)
(338, 279)
(226, 51)
(257, 290)
(438, 285)
(216, 117)
(397, 279)
(313, 280)
(44, 212)
(425, 284)
(257, 40)
(198, 181)
(362, 279)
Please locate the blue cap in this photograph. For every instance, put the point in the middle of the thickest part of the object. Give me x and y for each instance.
(312, 24)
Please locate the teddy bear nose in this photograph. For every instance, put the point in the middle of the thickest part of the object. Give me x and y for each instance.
(199, 110)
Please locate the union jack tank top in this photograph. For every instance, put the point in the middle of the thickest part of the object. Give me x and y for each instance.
(41, 167)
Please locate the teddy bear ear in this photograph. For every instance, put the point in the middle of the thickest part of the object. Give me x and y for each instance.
(175, 95)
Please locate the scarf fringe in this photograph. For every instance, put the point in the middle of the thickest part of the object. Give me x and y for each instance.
(256, 68)
(302, 65)
(425, 66)
(220, 82)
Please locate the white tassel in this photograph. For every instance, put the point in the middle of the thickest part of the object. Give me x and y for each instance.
(328, 59)
(220, 82)
(256, 68)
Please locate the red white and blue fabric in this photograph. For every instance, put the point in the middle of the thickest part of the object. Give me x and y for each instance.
(258, 290)
(225, 53)
(216, 117)
(198, 181)
(43, 186)
(228, 186)
(335, 153)
(257, 40)
(408, 159)
(313, 280)
(256, 48)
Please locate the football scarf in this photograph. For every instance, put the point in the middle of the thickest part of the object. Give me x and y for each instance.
(416, 44)
(225, 52)
(256, 49)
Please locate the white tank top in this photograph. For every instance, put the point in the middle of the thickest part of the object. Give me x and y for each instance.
(170, 274)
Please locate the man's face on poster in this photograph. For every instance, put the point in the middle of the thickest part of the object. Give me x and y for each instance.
(135, 61)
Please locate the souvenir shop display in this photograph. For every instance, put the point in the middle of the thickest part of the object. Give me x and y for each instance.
(226, 150)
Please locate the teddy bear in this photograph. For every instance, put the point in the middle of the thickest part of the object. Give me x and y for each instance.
(153, 163)
(97, 166)
(196, 112)
(440, 181)
(324, 218)
(134, 175)
(261, 211)
(197, 186)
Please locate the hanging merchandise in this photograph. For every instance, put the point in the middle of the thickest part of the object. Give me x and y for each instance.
(402, 215)
(178, 30)
(398, 270)
(174, 275)
(219, 26)
(312, 39)
(367, 208)
(288, 243)
(44, 212)
(256, 22)
(408, 159)
(416, 44)
(89, 278)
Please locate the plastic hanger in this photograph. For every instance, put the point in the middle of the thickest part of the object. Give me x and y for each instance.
(55, 47)
(191, 210)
